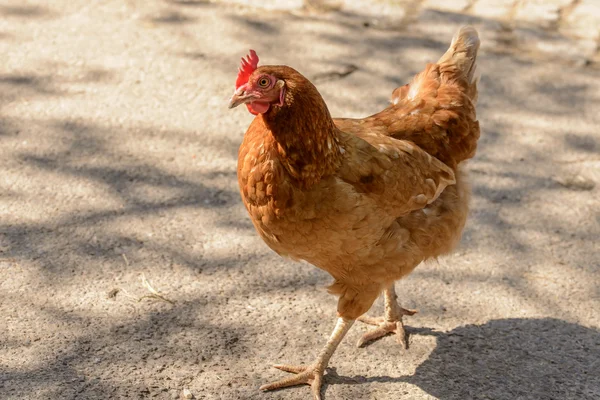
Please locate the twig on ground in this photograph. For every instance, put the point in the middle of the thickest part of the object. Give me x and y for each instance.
(154, 294)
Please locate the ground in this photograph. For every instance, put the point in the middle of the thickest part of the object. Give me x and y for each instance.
(117, 159)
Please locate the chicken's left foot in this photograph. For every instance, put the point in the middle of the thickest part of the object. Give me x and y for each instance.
(391, 323)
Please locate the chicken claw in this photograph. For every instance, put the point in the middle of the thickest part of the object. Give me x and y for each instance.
(313, 374)
(391, 323)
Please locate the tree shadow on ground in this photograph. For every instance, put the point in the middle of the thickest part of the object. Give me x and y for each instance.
(25, 11)
(503, 359)
(164, 340)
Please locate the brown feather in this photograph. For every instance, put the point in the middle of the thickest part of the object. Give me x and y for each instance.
(366, 200)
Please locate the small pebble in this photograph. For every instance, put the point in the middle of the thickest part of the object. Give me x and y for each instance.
(187, 394)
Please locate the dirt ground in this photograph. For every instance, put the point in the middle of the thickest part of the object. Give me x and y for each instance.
(117, 167)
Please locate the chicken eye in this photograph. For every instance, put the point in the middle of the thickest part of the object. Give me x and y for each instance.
(264, 82)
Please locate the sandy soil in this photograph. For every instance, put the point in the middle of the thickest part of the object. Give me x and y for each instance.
(117, 160)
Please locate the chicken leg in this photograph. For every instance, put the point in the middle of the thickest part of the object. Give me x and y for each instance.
(391, 322)
(313, 374)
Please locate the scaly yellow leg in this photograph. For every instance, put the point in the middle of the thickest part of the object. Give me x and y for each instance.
(313, 374)
(391, 322)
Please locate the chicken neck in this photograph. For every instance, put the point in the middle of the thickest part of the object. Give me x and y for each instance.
(306, 137)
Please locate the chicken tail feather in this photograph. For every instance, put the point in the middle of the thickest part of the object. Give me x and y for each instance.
(461, 57)
(459, 63)
(436, 110)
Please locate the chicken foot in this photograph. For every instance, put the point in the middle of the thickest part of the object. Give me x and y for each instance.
(313, 374)
(391, 322)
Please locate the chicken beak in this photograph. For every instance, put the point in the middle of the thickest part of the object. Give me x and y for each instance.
(240, 97)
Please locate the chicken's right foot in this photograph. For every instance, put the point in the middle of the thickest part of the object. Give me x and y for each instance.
(313, 374)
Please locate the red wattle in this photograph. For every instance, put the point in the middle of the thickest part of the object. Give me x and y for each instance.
(257, 107)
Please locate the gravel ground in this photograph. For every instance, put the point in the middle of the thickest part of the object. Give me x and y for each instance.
(129, 268)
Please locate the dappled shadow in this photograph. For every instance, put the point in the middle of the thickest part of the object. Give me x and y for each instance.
(26, 86)
(92, 201)
(255, 24)
(190, 3)
(25, 11)
(38, 84)
(513, 358)
(139, 188)
(170, 340)
(193, 55)
(504, 359)
(173, 17)
(582, 143)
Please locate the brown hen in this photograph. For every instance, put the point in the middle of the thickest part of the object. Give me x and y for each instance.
(366, 200)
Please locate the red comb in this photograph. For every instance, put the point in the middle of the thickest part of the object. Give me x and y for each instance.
(249, 64)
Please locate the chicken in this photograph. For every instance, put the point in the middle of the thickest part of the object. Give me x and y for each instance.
(366, 200)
